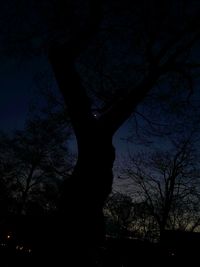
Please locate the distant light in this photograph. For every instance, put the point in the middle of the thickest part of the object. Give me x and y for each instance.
(8, 236)
(19, 247)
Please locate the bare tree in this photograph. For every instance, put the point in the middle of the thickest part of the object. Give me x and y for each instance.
(168, 182)
(31, 160)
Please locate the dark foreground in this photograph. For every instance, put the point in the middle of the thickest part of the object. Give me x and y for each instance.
(115, 252)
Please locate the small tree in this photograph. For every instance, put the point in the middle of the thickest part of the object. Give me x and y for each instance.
(168, 182)
(35, 160)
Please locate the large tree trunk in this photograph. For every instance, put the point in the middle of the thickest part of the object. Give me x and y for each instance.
(85, 192)
(83, 196)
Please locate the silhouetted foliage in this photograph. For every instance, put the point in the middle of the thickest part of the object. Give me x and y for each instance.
(118, 211)
(127, 217)
(168, 182)
(34, 163)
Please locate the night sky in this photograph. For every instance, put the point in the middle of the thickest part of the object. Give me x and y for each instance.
(17, 75)
(17, 91)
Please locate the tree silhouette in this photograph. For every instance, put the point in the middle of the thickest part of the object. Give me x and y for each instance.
(160, 50)
(119, 213)
(168, 182)
(32, 161)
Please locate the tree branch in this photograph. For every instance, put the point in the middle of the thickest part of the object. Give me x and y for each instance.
(120, 111)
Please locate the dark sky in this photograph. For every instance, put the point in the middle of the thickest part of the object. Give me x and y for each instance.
(17, 91)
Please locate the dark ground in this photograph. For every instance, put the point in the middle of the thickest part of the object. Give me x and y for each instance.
(29, 244)
(119, 253)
